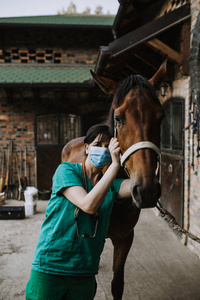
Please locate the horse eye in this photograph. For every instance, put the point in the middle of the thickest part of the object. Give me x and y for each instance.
(117, 119)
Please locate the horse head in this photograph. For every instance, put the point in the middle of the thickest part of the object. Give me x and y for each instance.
(137, 114)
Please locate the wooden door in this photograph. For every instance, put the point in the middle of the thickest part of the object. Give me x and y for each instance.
(172, 158)
(52, 132)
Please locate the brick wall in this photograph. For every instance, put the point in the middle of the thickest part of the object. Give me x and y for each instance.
(18, 108)
(182, 86)
(192, 174)
(17, 125)
(47, 55)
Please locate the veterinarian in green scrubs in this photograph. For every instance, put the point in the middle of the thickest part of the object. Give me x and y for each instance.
(72, 237)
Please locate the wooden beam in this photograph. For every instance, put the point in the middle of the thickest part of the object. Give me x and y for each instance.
(185, 48)
(166, 50)
(150, 30)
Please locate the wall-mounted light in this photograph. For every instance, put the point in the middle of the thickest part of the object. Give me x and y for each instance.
(163, 88)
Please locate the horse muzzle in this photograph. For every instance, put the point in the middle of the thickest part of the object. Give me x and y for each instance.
(146, 195)
(146, 189)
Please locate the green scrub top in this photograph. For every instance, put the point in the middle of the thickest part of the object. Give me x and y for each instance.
(59, 250)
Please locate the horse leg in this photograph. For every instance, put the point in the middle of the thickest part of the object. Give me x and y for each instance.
(121, 250)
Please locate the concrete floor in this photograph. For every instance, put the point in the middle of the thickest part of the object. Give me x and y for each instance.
(158, 267)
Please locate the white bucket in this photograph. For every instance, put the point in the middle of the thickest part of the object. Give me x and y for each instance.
(30, 195)
(30, 209)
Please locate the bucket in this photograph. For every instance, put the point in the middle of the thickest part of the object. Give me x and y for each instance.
(44, 194)
(30, 194)
(31, 197)
(30, 209)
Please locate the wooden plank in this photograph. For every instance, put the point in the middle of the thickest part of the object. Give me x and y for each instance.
(166, 50)
(185, 48)
(150, 30)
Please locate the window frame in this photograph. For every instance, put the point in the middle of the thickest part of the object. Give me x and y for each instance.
(59, 127)
(170, 104)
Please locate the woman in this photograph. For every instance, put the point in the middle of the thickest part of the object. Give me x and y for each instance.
(72, 236)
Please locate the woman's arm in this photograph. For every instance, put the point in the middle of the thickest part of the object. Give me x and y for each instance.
(90, 202)
(125, 190)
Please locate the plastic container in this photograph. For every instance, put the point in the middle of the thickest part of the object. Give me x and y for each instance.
(30, 195)
(30, 209)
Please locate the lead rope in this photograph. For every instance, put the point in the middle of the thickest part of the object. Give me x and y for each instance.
(96, 215)
(172, 221)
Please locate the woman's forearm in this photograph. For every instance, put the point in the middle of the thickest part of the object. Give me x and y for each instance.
(96, 196)
(90, 202)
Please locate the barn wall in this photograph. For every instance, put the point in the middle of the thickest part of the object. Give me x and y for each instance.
(192, 173)
(182, 87)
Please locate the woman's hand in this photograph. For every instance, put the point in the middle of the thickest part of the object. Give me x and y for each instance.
(90, 202)
(114, 151)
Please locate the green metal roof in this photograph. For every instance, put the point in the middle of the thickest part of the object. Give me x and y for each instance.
(90, 20)
(18, 74)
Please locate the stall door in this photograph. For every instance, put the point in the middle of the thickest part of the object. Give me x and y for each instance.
(53, 131)
(172, 158)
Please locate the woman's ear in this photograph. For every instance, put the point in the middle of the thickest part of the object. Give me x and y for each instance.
(86, 146)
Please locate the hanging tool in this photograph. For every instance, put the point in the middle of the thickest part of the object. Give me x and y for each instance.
(24, 178)
(2, 170)
(19, 179)
(7, 181)
(35, 164)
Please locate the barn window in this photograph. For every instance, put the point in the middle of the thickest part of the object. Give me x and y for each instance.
(57, 129)
(172, 137)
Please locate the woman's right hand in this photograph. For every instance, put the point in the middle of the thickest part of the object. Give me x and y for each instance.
(114, 151)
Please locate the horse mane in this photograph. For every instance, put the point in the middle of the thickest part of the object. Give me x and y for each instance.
(128, 84)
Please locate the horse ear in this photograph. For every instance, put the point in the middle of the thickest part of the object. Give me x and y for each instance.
(159, 75)
(107, 85)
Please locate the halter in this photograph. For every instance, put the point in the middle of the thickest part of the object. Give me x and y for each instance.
(135, 147)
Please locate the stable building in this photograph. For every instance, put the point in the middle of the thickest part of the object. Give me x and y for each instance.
(48, 97)
(46, 94)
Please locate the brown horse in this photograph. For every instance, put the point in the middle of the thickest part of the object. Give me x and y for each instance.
(137, 115)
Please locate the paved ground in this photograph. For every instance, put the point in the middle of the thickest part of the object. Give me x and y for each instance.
(158, 267)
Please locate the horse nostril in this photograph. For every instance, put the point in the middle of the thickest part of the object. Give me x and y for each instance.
(146, 196)
(136, 195)
(135, 191)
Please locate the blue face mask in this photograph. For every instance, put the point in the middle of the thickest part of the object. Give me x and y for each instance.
(100, 156)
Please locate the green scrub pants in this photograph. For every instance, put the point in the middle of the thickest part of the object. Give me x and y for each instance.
(42, 286)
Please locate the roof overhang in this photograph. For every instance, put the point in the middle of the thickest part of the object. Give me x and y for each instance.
(59, 21)
(149, 30)
(142, 50)
(40, 75)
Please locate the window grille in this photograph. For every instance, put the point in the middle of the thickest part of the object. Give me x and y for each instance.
(172, 136)
(57, 129)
